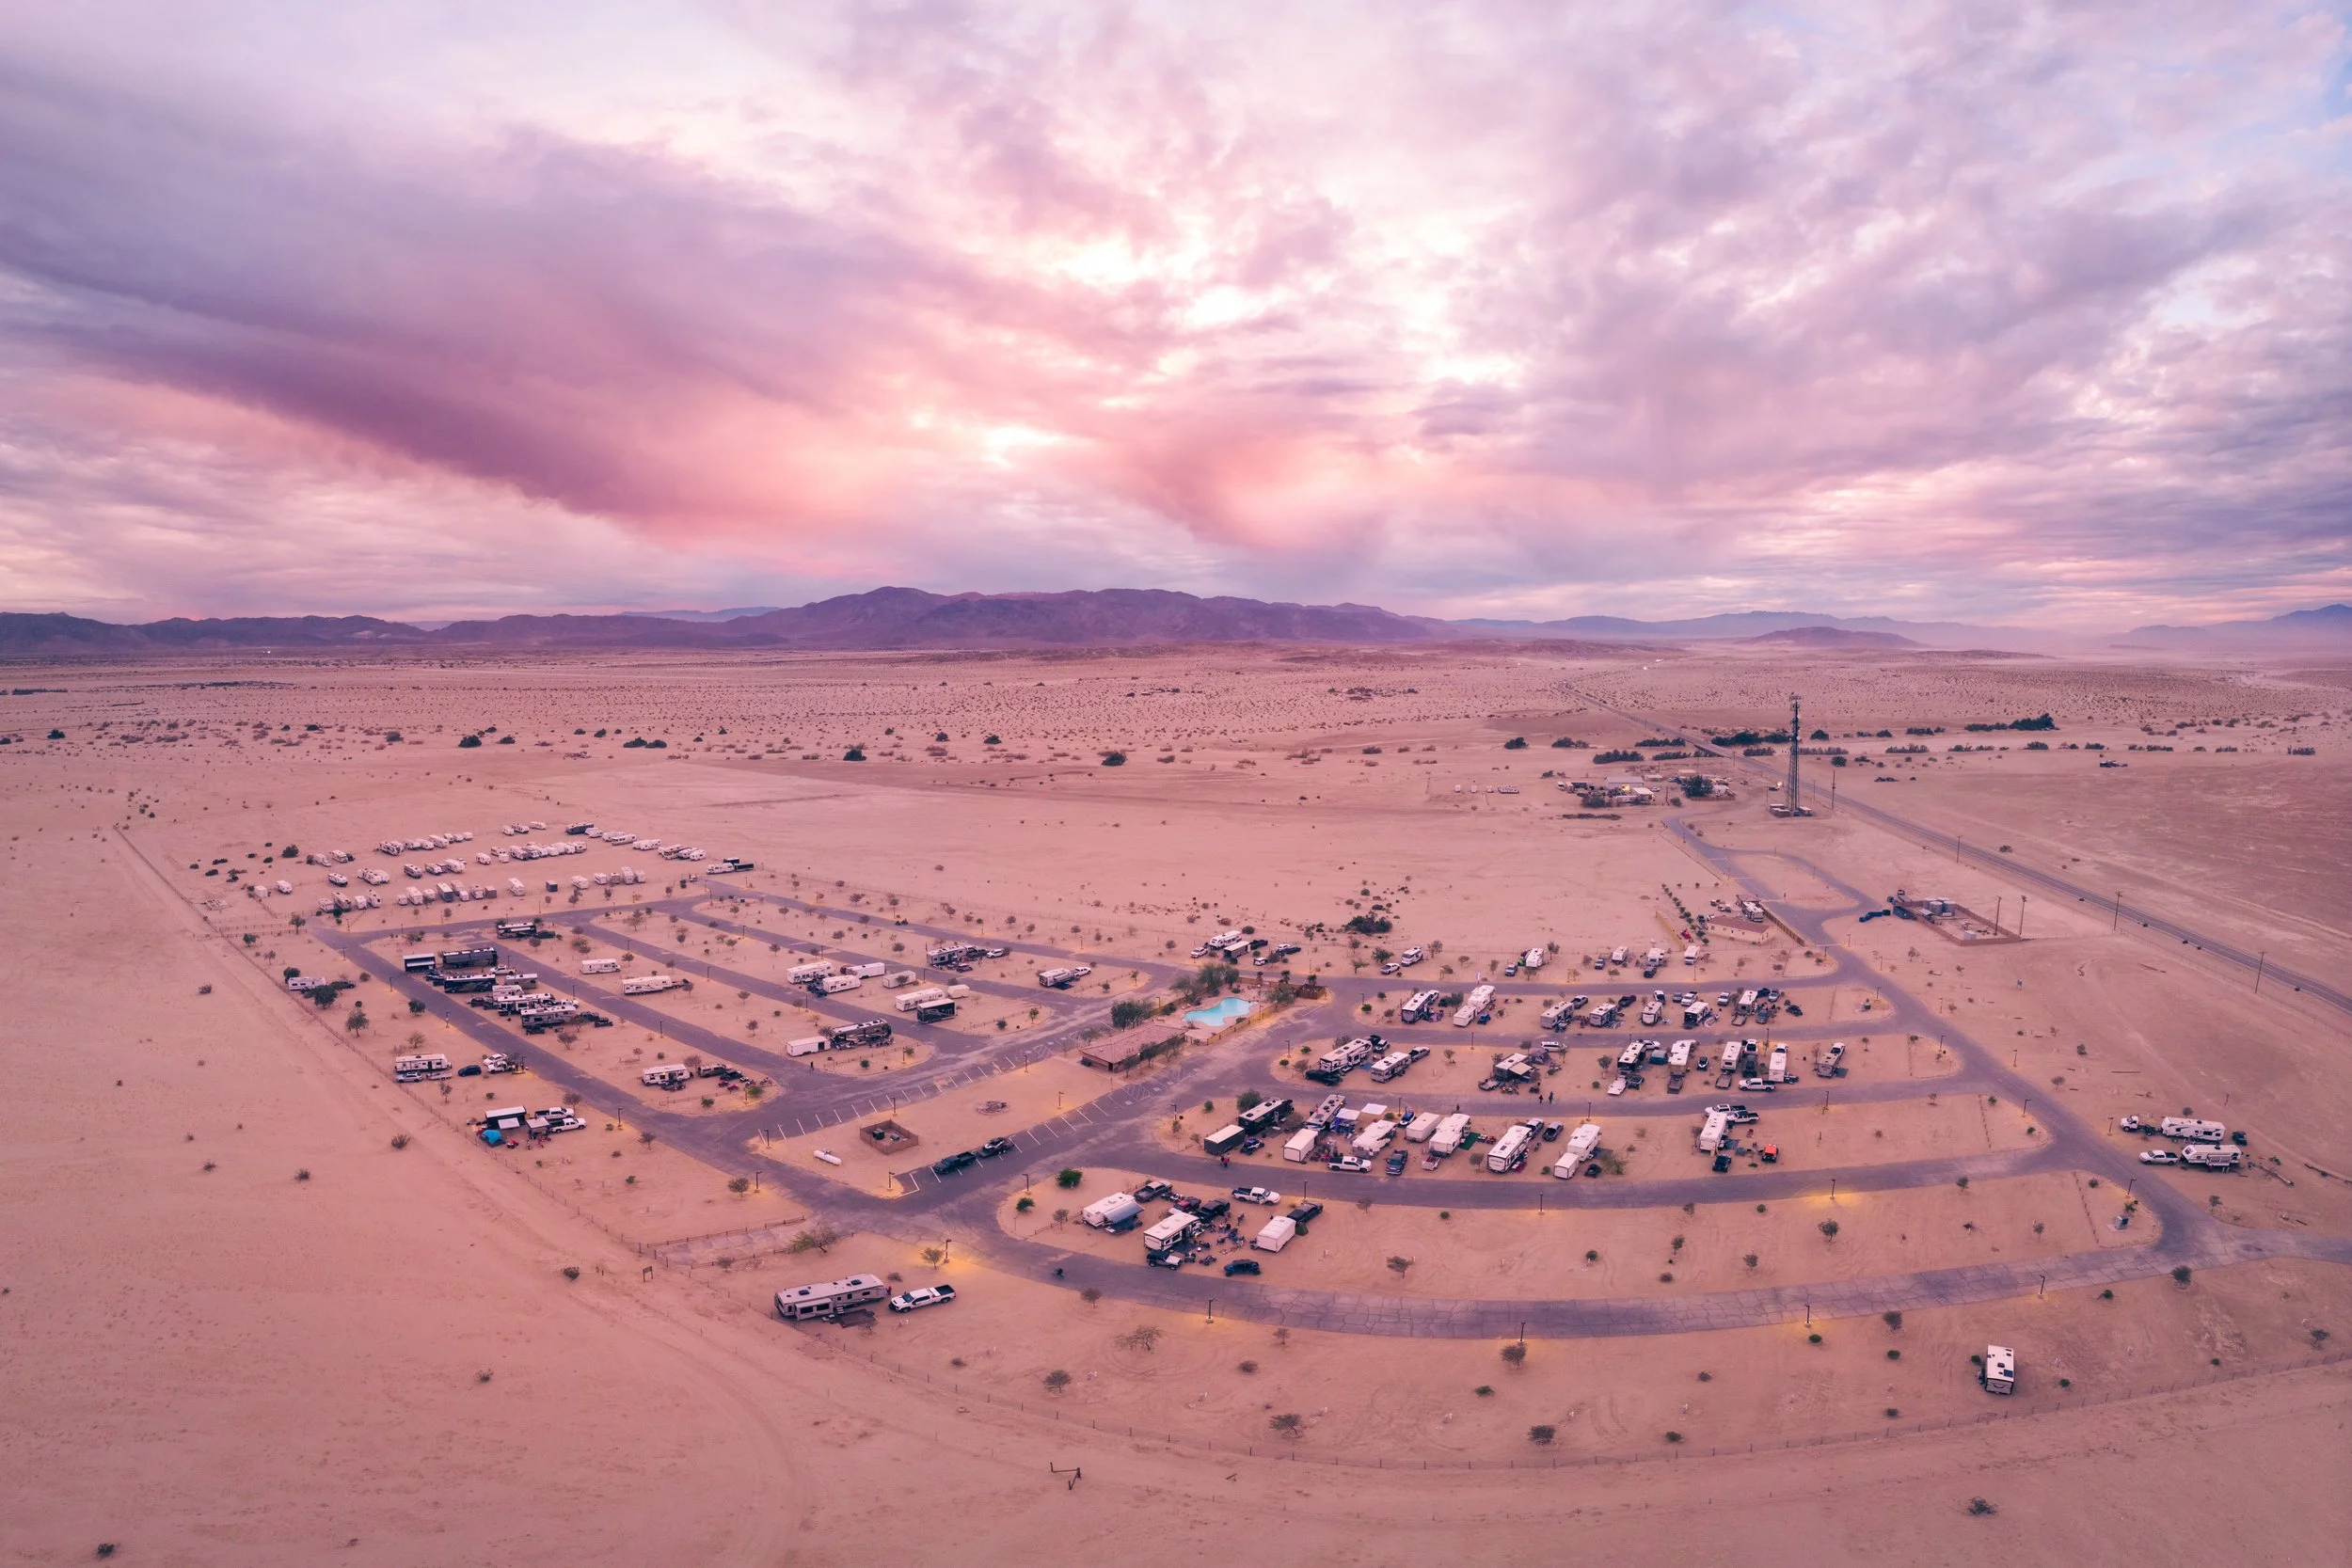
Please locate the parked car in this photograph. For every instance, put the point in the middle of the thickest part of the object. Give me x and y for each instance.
(1737, 1113)
(2159, 1157)
(922, 1295)
(1397, 1162)
(955, 1162)
(1257, 1195)
(1152, 1189)
(1215, 1208)
(1304, 1210)
(1166, 1260)
(1242, 1265)
(994, 1147)
(1351, 1163)
(2132, 1124)
(1251, 1146)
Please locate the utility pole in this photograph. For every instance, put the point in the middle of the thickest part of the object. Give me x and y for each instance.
(2259, 964)
(2117, 924)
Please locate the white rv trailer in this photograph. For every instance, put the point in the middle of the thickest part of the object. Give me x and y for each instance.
(1448, 1137)
(1472, 1004)
(831, 1298)
(419, 1069)
(1712, 1132)
(1275, 1234)
(1512, 1146)
(1776, 1070)
(648, 985)
(1532, 958)
(1422, 1128)
(2000, 1370)
(1301, 1146)
(2188, 1127)
(922, 996)
(1374, 1137)
(1578, 1151)
(673, 1076)
(834, 984)
(808, 973)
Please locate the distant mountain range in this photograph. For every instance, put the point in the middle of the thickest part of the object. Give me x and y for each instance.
(1115, 617)
(2328, 628)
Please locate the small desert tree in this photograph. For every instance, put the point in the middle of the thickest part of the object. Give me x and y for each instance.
(1288, 1424)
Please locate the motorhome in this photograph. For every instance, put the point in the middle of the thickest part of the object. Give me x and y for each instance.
(1449, 1132)
(417, 963)
(672, 1076)
(831, 1298)
(1577, 1151)
(2000, 1370)
(1510, 1150)
(1479, 999)
(1115, 1213)
(470, 957)
(864, 1034)
(599, 966)
(417, 1069)
(1301, 1146)
(2188, 1127)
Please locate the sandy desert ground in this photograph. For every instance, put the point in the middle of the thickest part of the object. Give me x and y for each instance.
(264, 1305)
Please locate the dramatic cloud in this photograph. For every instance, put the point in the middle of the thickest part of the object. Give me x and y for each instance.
(1986, 310)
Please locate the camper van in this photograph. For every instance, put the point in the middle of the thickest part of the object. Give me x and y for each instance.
(1510, 1150)
(1578, 1151)
(831, 1298)
(672, 1076)
(2000, 1370)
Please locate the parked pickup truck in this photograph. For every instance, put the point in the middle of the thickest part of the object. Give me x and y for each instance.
(922, 1295)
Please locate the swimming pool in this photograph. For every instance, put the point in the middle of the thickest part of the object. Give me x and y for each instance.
(1218, 1015)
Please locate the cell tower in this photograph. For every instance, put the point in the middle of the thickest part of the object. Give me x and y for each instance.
(1794, 732)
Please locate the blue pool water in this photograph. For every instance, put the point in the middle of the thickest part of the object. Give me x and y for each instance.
(1219, 1014)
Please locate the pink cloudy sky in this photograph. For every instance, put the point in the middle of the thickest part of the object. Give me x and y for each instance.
(1994, 312)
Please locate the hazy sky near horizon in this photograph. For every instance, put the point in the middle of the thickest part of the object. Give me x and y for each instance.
(2039, 315)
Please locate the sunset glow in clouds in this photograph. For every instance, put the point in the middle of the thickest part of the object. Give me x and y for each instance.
(1993, 312)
